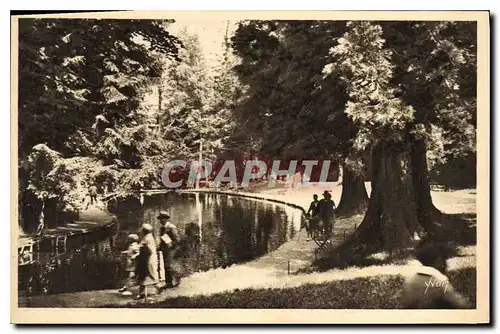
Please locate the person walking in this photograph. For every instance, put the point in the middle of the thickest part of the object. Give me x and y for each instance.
(313, 215)
(327, 212)
(41, 223)
(146, 270)
(93, 194)
(169, 244)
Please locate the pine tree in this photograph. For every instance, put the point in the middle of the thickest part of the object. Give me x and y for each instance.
(296, 113)
(402, 92)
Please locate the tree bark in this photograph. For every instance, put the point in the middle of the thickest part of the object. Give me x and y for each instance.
(427, 213)
(354, 198)
(391, 218)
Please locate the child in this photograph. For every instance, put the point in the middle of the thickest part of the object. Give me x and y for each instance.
(132, 253)
(147, 262)
(429, 288)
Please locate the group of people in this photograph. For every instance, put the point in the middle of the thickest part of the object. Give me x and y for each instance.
(321, 215)
(143, 255)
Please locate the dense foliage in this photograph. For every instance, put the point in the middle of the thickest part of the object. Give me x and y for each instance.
(86, 112)
(411, 91)
(398, 95)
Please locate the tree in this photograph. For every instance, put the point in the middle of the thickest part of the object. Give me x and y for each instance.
(435, 71)
(294, 112)
(396, 114)
(228, 94)
(189, 106)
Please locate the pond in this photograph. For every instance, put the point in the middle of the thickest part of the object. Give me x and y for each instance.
(233, 230)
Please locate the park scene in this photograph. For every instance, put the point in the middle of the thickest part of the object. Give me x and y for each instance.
(248, 164)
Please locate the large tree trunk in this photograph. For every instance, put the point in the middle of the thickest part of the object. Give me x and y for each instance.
(354, 198)
(29, 207)
(427, 213)
(391, 218)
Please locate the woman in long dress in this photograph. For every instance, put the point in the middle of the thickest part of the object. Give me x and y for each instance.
(147, 263)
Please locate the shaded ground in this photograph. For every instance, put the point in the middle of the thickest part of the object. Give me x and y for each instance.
(456, 230)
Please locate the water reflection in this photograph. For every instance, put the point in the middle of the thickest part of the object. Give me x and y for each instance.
(231, 230)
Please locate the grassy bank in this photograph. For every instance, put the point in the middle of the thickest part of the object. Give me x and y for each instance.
(379, 292)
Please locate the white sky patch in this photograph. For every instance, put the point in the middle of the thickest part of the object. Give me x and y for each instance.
(210, 33)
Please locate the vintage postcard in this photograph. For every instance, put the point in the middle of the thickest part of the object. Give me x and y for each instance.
(251, 167)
